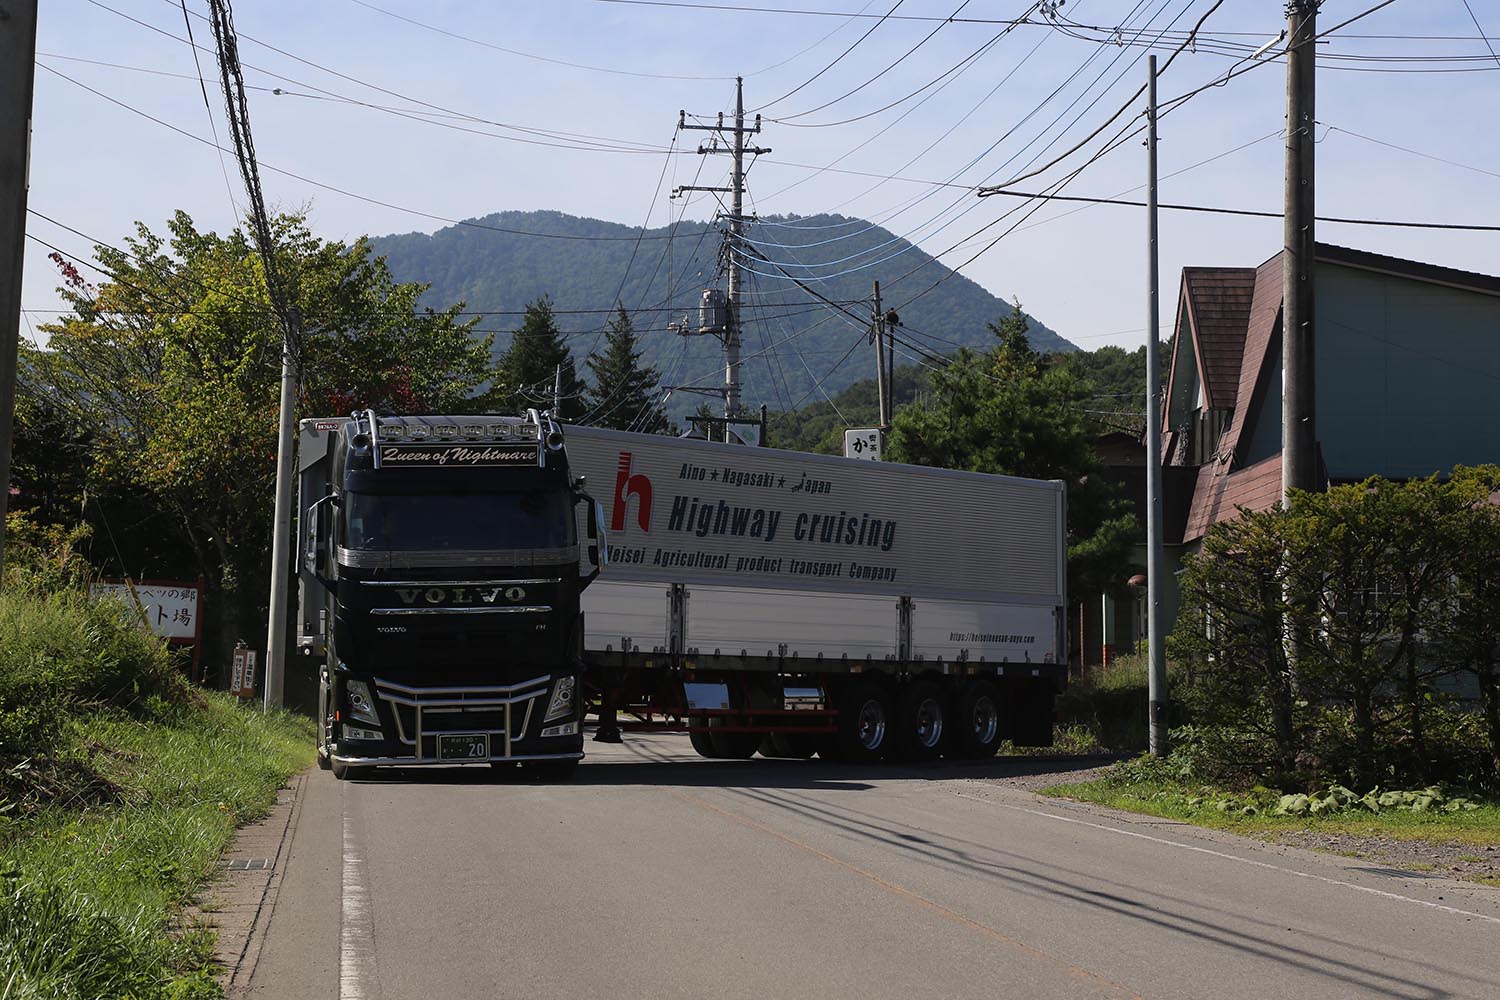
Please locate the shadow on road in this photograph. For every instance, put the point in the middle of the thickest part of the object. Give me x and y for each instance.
(645, 767)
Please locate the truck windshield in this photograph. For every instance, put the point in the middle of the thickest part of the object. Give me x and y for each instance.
(537, 519)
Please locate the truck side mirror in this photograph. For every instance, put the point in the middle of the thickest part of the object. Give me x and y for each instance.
(598, 549)
(315, 535)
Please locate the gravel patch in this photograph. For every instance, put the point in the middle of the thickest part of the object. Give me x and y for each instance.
(1032, 774)
(1462, 861)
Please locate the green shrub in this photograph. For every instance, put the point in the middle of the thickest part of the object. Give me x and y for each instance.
(68, 651)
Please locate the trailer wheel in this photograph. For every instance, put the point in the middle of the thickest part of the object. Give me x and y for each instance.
(864, 723)
(977, 723)
(923, 721)
(792, 746)
(733, 746)
(700, 739)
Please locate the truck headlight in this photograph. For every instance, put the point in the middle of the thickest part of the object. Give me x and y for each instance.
(361, 705)
(562, 699)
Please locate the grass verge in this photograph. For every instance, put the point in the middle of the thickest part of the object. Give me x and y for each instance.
(93, 881)
(1141, 786)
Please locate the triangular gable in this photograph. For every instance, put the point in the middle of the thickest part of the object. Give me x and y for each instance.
(1262, 339)
(1218, 303)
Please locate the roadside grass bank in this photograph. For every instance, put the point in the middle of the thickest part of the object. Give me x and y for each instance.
(1426, 829)
(120, 785)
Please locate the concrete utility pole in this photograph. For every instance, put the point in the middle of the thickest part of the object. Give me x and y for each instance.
(17, 56)
(736, 190)
(1299, 437)
(1156, 653)
(877, 330)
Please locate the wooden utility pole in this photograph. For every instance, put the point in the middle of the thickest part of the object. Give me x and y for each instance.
(17, 57)
(1299, 436)
(1155, 652)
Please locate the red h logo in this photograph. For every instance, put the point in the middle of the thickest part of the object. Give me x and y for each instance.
(626, 486)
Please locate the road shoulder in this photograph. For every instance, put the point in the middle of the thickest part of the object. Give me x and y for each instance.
(238, 902)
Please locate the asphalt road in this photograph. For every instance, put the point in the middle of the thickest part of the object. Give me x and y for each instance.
(657, 874)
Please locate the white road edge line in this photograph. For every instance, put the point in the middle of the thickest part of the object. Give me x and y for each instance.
(356, 940)
(1231, 857)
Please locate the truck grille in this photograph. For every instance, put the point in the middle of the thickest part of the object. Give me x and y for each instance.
(502, 710)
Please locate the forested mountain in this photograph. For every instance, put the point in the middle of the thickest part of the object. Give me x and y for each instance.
(795, 347)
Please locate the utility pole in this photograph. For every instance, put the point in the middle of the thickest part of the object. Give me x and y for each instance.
(1156, 654)
(17, 57)
(736, 191)
(877, 332)
(237, 112)
(1299, 437)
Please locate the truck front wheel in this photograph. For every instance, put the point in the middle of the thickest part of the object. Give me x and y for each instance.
(343, 772)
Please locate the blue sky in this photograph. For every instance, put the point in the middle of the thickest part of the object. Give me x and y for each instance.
(98, 167)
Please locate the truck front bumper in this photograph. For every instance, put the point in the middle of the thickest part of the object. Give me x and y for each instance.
(511, 718)
(355, 760)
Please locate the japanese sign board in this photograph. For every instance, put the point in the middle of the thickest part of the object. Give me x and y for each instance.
(863, 443)
(242, 679)
(169, 609)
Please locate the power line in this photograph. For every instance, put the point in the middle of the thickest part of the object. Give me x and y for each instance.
(565, 139)
(857, 42)
(747, 9)
(208, 107)
(1123, 108)
(467, 223)
(530, 55)
(1220, 210)
(1481, 32)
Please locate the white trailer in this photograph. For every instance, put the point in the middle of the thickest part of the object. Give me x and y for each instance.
(791, 602)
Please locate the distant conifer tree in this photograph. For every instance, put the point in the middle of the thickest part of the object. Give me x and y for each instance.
(624, 394)
(526, 372)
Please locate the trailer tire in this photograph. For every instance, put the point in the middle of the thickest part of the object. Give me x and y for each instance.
(977, 730)
(790, 746)
(733, 746)
(700, 739)
(922, 721)
(865, 723)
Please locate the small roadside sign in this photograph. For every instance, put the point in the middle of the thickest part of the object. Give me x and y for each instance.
(862, 443)
(242, 677)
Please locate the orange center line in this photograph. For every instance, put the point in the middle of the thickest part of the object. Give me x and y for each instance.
(910, 896)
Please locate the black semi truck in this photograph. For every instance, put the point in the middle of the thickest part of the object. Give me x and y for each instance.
(441, 570)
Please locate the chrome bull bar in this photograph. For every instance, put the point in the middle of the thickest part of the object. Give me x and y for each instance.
(468, 699)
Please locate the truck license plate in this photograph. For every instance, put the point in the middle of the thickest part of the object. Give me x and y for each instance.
(463, 746)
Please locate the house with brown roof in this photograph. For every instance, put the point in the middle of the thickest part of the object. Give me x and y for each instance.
(1407, 362)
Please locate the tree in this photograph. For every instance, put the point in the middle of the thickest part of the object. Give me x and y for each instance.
(1367, 575)
(1010, 411)
(526, 374)
(172, 364)
(1231, 642)
(1468, 635)
(624, 392)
